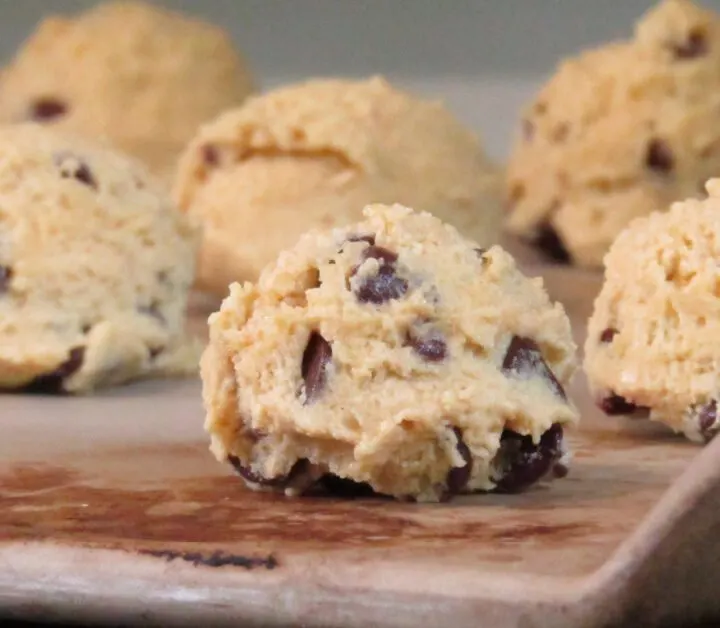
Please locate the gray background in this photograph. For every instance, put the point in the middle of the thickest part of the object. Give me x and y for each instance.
(483, 57)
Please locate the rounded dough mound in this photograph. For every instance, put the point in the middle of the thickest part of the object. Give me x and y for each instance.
(393, 353)
(653, 337)
(617, 133)
(95, 266)
(141, 77)
(311, 155)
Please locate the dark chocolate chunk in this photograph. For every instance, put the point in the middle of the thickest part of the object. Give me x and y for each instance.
(336, 486)
(696, 45)
(480, 252)
(608, 334)
(370, 239)
(659, 157)
(79, 171)
(548, 241)
(6, 274)
(155, 352)
(315, 361)
(47, 108)
(524, 358)
(458, 477)
(385, 256)
(52, 383)
(250, 476)
(428, 343)
(520, 463)
(385, 285)
(153, 311)
(707, 418)
(84, 175)
(615, 405)
(210, 155)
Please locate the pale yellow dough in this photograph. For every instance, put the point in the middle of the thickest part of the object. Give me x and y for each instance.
(137, 75)
(619, 132)
(95, 266)
(312, 155)
(384, 413)
(653, 338)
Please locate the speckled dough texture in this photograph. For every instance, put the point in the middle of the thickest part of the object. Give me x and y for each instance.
(392, 355)
(311, 155)
(95, 265)
(141, 77)
(617, 133)
(653, 341)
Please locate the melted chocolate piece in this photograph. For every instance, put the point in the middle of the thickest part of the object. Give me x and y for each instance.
(316, 358)
(524, 358)
(659, 157)
(458, 477)
(608, 334)
(429, 344)
(549, 242)
(520, 463)
(696, 45)
(6, 274)
(52, 383)
(48, 108)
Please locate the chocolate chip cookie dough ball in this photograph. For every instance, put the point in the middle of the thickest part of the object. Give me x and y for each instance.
(312, 155)
(137, 75)
(653, 343)
(617, 133)
(394, 355)
(95, 265)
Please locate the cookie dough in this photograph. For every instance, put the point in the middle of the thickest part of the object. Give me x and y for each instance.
(617, 133)
(138, 76)
(312, 155)
(393, 355)
(653, 345)
(95, 265)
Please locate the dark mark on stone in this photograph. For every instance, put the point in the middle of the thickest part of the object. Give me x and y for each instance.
(215, 559)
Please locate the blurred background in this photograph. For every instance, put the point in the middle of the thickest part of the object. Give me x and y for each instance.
(484, 57)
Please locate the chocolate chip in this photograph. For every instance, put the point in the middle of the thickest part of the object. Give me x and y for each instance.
(524, 358)
(608, 334)
(370, 239)
(316, 358)
(659, 156)
(54, 381)
(695, 45)
(385, 285)
(72, 167)
(480, 252)
(250, 476)
(47, 108)
(428, 343)
(336, 486)
(458, 477)
(615, 405)
(549, 242)
(6, 274)
(155, 352)
(707, 418)
(210, 155)
(520, 463)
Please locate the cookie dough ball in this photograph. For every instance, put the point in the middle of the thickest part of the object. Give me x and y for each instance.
(654, 337)
(141, 77)
(95, 265)
(312, 155)
(617, 133)
(392, 355)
